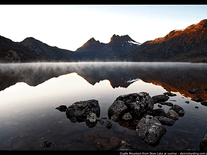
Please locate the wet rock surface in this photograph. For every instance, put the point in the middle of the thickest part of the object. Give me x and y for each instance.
(79, 111)
(160, 98)
(132, 104)
(135, 112)
(46, 143)
(150, 129)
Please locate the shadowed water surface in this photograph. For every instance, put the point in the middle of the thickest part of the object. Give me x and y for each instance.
(30, 92)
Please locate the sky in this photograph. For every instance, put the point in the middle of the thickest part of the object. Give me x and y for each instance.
(70, 26)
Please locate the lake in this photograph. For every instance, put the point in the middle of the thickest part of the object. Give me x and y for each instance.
(30, 92)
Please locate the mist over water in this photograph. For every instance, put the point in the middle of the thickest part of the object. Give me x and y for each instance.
(30, 92)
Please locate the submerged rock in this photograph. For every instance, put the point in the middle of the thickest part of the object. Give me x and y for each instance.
(79, 111)
(104, 121)
(46, 143)
(165, 120)
(150, 129)
(126, 147)
(160, 98)
(203, 143)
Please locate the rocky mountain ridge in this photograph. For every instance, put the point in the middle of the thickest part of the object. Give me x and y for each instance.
(188, 45)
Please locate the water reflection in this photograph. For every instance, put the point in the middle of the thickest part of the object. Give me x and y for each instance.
(31, 92)
(176, 77)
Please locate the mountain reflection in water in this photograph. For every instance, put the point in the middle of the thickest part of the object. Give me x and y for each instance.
(176, 77)
(31, 92)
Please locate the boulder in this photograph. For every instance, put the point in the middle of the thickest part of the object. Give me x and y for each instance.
(160, 98)
(178, 109)
(79, 111)
(117, 109)
(172, 114)
(165, 120)
(156, 112)
(203, 143)
(150, 129)
(136, 104)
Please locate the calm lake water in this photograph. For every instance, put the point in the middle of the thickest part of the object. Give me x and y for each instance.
(30, 92)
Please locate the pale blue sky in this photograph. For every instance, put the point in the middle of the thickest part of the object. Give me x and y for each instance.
(70, 26)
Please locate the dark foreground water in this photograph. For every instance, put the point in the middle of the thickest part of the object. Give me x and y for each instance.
(30, 92)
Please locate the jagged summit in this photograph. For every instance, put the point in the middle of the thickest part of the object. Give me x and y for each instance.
(91, 41)
(116, 39)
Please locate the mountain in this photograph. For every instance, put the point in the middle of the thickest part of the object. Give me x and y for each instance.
(94, 50)
(189, 44)
(29, 50)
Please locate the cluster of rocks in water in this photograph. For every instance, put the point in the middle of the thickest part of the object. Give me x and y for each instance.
(136, 110)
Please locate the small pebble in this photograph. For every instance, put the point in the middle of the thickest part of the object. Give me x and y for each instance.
(196, 107)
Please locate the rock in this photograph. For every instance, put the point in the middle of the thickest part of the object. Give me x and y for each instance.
(160, 98)
(156, 112)
(61, 108)
(79, 111)
(165, 120)
(150, 129)
(203, 143)
(187, 102)
(46, 143)
(172, 114)
(104, 121)
(196, 107)
(194, 91)
(204, 103)
(166, 103)
(92, 117)
(127, 116)
(135, 104)
(178, 109)
(116, 109)
(169, 94)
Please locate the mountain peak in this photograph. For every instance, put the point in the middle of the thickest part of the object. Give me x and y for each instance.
(202, 23)
(116, 39)
(91, 41)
